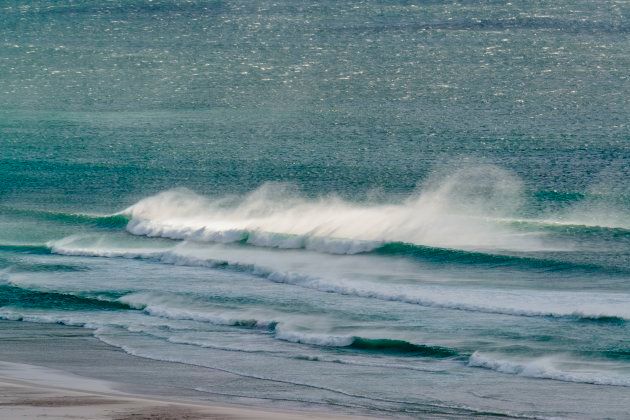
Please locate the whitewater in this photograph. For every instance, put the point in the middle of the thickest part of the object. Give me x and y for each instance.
(393, 209)
(454, 279)
(409, 253)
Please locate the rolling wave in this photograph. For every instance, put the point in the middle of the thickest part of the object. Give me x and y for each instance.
(544, 368)
(474, 209)
(18, 308)
(491, 259)
(570, 305)
(11, 295)
(161, 306)
(375, 345)
(12, 298)
(146, 302)
(340, 245)
(26, 248)
(456, 212)
(115, 221)
(386, 345)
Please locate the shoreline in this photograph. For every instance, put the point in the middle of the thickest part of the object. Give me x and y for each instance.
(25, 399)
(64, 372)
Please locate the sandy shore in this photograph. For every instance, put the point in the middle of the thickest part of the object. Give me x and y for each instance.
(30, 392)
(59, 372)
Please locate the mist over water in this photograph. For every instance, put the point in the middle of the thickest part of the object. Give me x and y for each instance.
(607, 200)
(459, 211)
(395, 208)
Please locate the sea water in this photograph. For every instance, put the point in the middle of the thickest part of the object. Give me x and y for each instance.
(408, 207)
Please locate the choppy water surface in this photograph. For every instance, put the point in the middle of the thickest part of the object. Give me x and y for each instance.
(410, 207)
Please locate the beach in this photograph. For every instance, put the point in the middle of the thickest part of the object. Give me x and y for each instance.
(63, 371)
(389, 209)
(21, 399)
(38, 391)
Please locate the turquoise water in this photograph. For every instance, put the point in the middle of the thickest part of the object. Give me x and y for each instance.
(409, 207)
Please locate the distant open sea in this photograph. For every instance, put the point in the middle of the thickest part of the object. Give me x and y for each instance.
(407, 208)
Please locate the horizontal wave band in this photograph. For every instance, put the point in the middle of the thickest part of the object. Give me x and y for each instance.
(490, 259)
(111, 221)
(425, 297)
(545, 369)
(381, 345)
(339, 246)
(26, 248)
(540, 369)
(449, 215)
(40, 299)
(11, 295)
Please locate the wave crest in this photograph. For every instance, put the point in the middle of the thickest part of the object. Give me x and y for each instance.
(455, 211)
(544, 368)
(570, 305)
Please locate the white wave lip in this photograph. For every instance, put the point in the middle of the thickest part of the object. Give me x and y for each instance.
(519, 303)
(317, 339)
(171, 307)
(454, 212)
(180, 309)
(545, 368)
(283, 333)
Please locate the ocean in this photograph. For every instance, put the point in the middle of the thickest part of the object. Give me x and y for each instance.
(406, 208)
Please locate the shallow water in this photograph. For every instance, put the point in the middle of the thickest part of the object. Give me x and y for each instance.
(408, 205)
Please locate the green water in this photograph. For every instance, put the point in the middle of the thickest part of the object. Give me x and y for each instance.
(395, 205)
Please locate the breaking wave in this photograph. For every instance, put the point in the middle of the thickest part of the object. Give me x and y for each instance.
(13, 309)
(571, 305)
(545, 368)
(454, 212)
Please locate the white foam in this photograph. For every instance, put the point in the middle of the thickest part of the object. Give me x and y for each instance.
(593, 305)
(545, 368)
(13, 315)
(173, 308)
(285, 330)
(327, 340)
(454, 212)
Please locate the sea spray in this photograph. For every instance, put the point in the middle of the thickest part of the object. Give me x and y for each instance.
(546, 368)
(454, 212)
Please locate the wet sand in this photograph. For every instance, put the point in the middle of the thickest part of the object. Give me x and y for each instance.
(59, 372)
(21, 399)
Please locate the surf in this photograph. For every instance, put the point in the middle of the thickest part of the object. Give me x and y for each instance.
(453, 212)
(548, 368)
(533, 303)
(15, 303)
